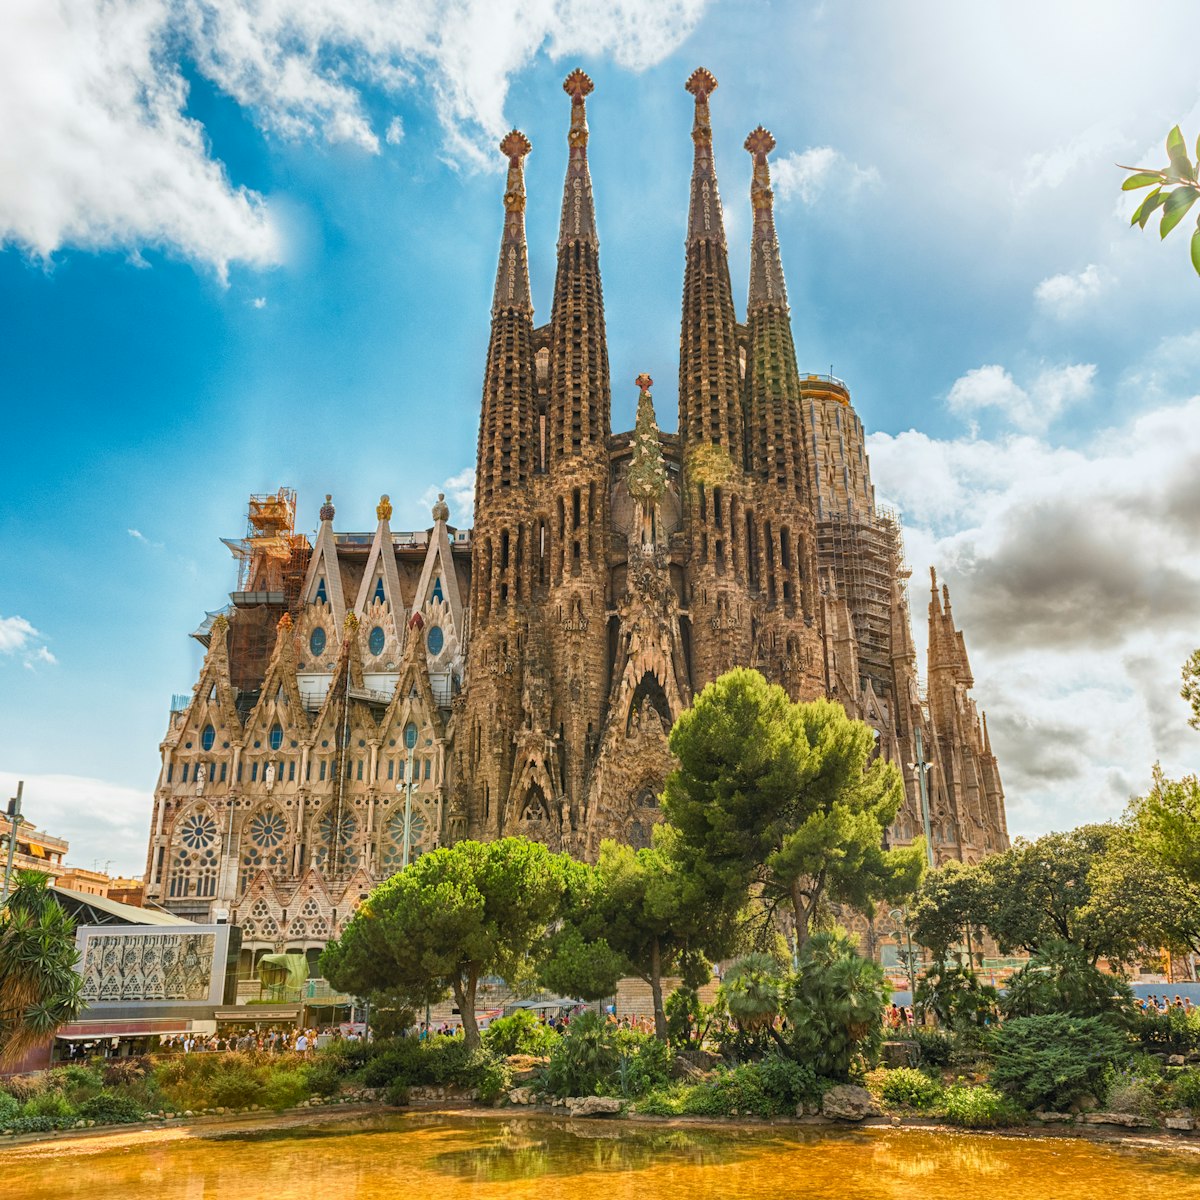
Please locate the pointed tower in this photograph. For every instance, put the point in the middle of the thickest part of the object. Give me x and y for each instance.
(711, 422)
(575, 528)
(505, 507)
(780, 527)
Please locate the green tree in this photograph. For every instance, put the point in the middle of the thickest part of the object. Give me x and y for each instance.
(39, 987)
(949, 906)
(1191, 687)
(638, 912)
(1060, 979)
(1175, 190)
(784, 799)
(455, 915)
(1041, 891)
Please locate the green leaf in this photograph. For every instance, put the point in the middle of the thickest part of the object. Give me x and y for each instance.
(1141, 179)
(1181, 165)
(1196, 251)
(1180, 200)
(1147, 206)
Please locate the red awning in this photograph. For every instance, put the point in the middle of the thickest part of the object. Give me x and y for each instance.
(87, 1031)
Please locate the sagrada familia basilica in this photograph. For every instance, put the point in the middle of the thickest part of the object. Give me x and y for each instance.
(366, 696)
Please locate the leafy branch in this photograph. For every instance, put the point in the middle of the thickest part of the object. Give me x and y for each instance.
(1176, 189)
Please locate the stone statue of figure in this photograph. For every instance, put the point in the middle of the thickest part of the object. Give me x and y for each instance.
(201, 776)
(269, 776)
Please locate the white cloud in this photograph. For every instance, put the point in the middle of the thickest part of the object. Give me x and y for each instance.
(395, 132)
(104, 822)
(15, 634)
(806, 175)
(459, 491)
(1065, 295)
(259, 302)
(96, 150)
(19, 637)
(139, 536)
(1074, 573)
(1051, 391)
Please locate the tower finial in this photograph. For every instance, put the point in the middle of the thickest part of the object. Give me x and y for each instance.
(383, 510)
(327, 509)
(644, 382)
(512, 277)
(705, 222)
(578, 223)
(441, 510)
(766, 269)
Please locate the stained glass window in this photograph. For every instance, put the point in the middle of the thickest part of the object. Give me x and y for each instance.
(316, 642)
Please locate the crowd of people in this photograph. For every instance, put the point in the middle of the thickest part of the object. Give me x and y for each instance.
(273, 1040)
(1160, 1004)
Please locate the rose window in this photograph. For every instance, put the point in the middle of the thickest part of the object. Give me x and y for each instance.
(393, 852)
(336, 837)
(198, 831)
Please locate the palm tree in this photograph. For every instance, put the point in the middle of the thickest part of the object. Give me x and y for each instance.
(39, 987)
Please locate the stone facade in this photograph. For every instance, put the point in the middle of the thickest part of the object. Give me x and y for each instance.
(369, 695)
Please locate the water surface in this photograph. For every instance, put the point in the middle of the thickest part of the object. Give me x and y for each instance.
(416, 1155)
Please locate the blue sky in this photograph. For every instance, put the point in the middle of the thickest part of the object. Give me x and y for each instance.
(236, 255)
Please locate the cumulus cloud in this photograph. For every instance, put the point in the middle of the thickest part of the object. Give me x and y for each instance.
(459, 491)
(104, 822)
(259, 302)
(1074, 572)
(20, 639)
(808, 174)
(96, 150)
(395, 132)
(1065, 295)
(1033, 407)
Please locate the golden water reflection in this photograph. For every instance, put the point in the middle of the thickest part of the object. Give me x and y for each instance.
(413, 1155)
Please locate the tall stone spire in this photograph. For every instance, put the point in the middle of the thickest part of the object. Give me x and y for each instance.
(507, 420)
(512, 276)
(579, 401)
(710, 410)
(766, 271)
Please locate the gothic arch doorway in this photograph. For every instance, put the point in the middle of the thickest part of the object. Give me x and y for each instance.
(648, 697)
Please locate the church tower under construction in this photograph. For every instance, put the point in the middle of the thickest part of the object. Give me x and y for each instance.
(366, 696)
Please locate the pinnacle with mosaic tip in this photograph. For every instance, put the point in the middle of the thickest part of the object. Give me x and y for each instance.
(578, 84)
(383, 510)
(701, 83)
(327, 509)
(766, 269)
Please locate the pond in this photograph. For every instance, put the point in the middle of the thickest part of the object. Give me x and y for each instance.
(417, 1155)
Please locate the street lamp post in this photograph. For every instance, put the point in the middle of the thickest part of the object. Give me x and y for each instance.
(900, 917)
(14, 819)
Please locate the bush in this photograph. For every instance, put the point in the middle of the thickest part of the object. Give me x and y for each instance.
(1053, 1061)
(586, 1060)
(934, 1045)
(1130, 1092)
(324, 1078)
(107, 1108)
(643, 1063)
(33, 1125)
(519, 1033)
(1060, 979)
(906, 1087)
(664, 1102)
(24, 1087)
(73, 1079)
(1186, 1088)
(10, 1106)
(957, 998)
(398, 1059)
(1173, 1032)
(834, 1006)
(397, 1093)
(787, 1084)
(53, 1105)
(124, 1072)
(979, 1108)
(283, 1089)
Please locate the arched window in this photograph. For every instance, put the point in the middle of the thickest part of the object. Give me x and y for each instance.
(437, 588)
(375, 641)
(316, 642)
(379, 590)
(265, 837)
(435, 639)
(194, 859)
(321, 596)
(208, 735)
(276, 736)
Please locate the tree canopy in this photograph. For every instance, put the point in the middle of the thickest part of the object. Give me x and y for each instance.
(786, 798)
(637, 912)
(39, 987)
(455, 915)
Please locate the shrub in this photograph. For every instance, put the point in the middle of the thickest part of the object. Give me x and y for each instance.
(23, 1087)
(324, 1078)
(489, 1075)
(909, 1088)
(33, 1125)
(787, 1084)
(283, 1089)
(1052, 1061)
(979, 1108)
(643, 1063)
(53, 1105)
(107, 1108)
(1130, 1092)
(586, 1060)
(1186, 1087)
(934, 1045)
(397, 1093)
(1172, 1032)
(1060, 979)
(957, 998)
(124, 1072)
(236, 1088)
(834, 1006)
(73, 1079)
(519, 1033)
(751, 991)
(400, 1058)
(10, 1106)
(664, 1102)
